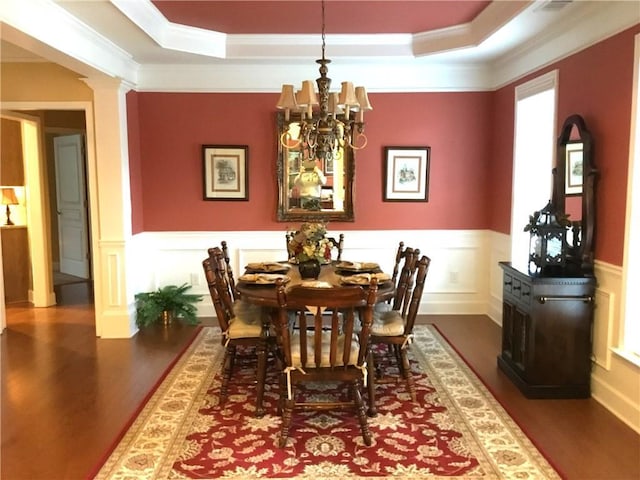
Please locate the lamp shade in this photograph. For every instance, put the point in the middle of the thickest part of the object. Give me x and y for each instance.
(363, 99)
(287, 98)
(9, 197)
(307, 95)
(334, 104)
(348, 95)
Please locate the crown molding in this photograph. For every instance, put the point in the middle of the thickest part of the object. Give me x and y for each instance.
(472, 34)
(595, 22)
(51, 32)
(306, 47)
(390, 76)
(261, 63)
(172, 36)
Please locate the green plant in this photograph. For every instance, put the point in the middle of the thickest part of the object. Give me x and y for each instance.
(170, 298)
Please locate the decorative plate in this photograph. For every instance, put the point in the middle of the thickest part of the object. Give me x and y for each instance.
(357, 266)
(365, 278)
(266, 267)
(263, 278)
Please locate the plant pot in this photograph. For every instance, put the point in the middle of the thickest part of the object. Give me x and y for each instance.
(167, 317)
(309, 269)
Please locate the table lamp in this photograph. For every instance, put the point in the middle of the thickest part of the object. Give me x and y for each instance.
(9, 198)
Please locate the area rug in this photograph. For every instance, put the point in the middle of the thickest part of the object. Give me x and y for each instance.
(455, 430)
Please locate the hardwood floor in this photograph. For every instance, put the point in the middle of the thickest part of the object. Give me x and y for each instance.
(66, 395)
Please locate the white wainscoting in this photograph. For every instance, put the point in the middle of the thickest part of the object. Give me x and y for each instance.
(615, 382)
(464, 278)
(456, 283)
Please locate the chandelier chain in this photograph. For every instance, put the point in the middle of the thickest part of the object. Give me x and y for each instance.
(323, 32)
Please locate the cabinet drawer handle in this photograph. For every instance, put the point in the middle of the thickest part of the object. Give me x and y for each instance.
(516, 287)
(584, 298)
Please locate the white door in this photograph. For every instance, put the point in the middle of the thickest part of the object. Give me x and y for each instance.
(72, 205)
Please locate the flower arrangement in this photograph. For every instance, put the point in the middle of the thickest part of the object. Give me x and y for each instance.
(310, 242)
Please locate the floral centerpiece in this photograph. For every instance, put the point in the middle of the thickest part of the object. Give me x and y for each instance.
(310, 243)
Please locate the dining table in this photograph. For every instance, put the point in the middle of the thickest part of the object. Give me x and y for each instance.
(258, 287)
(257, 284)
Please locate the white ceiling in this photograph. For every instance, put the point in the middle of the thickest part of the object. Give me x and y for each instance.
(470, 44)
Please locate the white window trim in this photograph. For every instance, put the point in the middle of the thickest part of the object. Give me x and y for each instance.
(629, 342)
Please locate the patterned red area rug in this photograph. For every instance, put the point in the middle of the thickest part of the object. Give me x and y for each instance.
(456, 429)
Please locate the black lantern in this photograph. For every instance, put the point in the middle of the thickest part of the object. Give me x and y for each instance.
(548, 244)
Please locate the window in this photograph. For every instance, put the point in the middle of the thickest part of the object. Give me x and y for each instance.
(630, 342)
(534, 135)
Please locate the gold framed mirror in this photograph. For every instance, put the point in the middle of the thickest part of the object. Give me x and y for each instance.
(312, 189)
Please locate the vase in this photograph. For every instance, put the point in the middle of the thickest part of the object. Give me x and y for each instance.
(309, 269)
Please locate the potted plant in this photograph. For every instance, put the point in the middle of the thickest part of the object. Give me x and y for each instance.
(166, 302)
(310, 247)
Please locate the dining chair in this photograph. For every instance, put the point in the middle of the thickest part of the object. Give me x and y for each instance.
(403, 280)
(339, 244)
(397, 260)
(394, 330)
(229, 270)
(242, 325)
(323, 349)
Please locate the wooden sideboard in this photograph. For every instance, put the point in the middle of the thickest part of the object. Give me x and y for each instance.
(547, 333)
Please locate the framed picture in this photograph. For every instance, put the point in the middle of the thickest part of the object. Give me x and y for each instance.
(294, 161)
(328, 166)
(225, 172)
(406, 174)
(573, 169)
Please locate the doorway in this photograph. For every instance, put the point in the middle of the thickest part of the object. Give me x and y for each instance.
(59, 287)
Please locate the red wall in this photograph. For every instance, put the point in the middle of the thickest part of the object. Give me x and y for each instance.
(597, 84)
(174, 126)
(470, 135)
(135, 167)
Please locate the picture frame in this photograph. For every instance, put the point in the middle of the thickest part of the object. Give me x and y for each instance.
(328, 166)
(225, 172)
(406, 174)
(573, 169)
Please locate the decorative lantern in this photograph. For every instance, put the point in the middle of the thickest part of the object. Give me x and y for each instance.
(547, 245)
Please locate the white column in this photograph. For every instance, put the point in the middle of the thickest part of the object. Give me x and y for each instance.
(111, 209)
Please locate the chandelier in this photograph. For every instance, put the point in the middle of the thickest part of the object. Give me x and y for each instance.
(339, 120)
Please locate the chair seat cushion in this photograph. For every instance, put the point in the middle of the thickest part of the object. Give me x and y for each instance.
(382, 307)
(387, 324)
(326, 344)
(247, 321)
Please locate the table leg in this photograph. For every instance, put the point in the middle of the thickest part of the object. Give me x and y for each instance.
(262, 376)
(371, 385)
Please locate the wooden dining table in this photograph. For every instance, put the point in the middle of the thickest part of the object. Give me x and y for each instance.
(264, 295)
